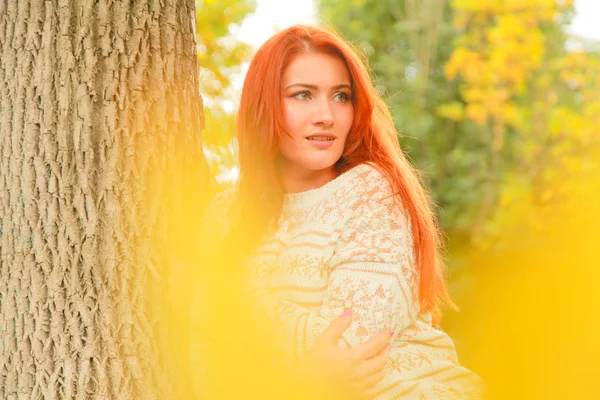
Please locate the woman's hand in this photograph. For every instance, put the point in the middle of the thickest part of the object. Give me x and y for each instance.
(351, 373)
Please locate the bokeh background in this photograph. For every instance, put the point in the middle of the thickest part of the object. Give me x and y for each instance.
(497, 103)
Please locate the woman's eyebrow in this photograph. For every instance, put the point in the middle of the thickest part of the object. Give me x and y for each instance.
(314, 87)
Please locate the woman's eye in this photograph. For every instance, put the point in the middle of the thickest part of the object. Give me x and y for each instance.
(341, 97)
(301, 96)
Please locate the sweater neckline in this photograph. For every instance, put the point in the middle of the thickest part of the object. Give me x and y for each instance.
(293, 202)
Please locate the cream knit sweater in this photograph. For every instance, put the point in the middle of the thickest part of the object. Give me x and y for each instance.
(348, 244)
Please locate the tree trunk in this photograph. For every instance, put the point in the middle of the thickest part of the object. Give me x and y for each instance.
(101, 182)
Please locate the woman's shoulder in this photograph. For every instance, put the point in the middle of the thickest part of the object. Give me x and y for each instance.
(370, 184)
(374, 196)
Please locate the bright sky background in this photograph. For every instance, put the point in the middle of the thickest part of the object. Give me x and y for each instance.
(273, 14)
(586, 21)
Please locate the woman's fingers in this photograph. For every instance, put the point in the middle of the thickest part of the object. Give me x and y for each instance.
(335, 330)
(365, 389)
(371, 392)
(373, 380)
(375, 345)
(376, 363)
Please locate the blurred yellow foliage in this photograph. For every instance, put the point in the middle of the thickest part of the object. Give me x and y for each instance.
(508, 48)
(516, 78)
(454, 111)
(535, 336)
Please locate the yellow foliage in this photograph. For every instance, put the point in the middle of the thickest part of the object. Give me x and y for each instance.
(473, 94)
(477, 113)
(509, 26)
(461, 60)
(534, 303)
(503, 49)
(510, 114)
(454, 111)
(461, 20)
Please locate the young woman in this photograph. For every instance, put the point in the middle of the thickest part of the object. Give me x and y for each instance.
(331, 220)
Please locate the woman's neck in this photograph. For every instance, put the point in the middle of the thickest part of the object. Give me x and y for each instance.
(296, 180)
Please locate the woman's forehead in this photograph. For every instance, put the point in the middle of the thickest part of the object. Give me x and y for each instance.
(317, 70)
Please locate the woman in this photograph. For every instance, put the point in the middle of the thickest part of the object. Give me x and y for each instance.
(331, 219)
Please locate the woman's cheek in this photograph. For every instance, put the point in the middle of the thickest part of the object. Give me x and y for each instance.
(293, 119)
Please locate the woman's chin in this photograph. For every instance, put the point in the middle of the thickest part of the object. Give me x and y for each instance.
(322, 165)
(313, 164)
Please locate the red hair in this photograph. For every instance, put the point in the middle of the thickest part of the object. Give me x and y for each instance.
(372, 138)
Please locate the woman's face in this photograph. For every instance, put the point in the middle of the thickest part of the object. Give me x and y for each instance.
(318, 111)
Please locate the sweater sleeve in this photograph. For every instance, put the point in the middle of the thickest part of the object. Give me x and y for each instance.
(372, 272)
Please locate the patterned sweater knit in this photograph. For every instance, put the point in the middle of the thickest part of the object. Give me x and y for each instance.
(348, 245)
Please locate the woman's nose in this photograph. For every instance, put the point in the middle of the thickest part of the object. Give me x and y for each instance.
(323, 113)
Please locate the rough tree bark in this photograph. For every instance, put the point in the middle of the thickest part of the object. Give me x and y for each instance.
(101, 180)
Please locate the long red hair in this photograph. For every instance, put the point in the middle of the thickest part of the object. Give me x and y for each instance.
(372, 138)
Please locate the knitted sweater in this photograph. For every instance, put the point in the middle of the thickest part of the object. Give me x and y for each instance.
(348, 244)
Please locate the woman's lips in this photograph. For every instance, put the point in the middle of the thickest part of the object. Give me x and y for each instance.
(321, 144)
